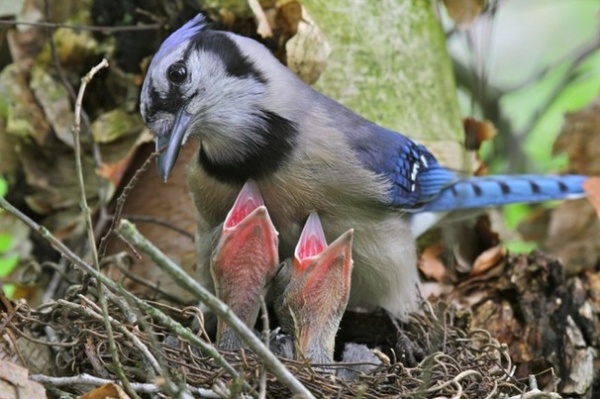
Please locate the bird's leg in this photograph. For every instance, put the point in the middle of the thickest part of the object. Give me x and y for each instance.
(244, 261)
(312, 303)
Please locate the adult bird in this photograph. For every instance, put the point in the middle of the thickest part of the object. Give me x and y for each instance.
(306, 152)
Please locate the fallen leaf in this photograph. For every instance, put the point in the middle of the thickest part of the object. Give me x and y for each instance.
(308, 51)
(430, 264)
(476, 132)
(592, 188)
(464, 12)
(112, 391)
(488, 259)
(15, 383)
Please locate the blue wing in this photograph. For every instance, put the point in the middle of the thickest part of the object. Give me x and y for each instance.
(420, 183)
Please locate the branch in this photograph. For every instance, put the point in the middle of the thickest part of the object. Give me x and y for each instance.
(128, 230)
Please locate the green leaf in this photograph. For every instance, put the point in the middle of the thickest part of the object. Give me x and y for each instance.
(519, 247)
(8, 264)
(3, 187)
(4, 242)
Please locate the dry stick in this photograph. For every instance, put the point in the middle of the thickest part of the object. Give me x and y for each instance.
(262, 393)
(129, 231)
(89, 227)
(93, 28)
(174, 327)
(121, 203)
(91, 313)
(86, 379)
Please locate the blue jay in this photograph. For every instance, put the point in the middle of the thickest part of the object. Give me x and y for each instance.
(256, 120)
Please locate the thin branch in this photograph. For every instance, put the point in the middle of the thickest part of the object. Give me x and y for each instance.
(87, 214)
(89, 311)
(121, 203)
(271, 361)
(159, 222)
(102, 29)
(174, 327)
(580, 57)
(86, 379)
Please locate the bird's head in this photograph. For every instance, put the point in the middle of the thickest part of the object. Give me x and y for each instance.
(214, 86)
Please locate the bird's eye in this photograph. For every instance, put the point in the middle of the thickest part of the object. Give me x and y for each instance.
(177, 72)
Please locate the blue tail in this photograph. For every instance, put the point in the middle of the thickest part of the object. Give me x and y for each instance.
(487, 191)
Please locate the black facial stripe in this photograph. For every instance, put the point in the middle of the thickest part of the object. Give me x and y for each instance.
(236, 64)
(264, 158)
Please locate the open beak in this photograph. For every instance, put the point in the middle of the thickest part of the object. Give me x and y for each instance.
(245, 261)
(171, 143)
(315, 299)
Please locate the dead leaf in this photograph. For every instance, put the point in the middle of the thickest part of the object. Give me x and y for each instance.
(431, 265)
(308, 51)
(488, 259)
(580, 140)
(476, 132)
(106, 391)
(25, 118)
(289, 16)
(464, 12)
(15, 383)
(114, 172)
(116, 124)
(592, 188)
(26, 41)
(263, 27)
(52, 96)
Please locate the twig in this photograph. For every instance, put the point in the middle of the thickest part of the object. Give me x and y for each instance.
(89, 227)
(262, 393)
(134, 339)
(129, 231)
(537, 394)
(160, 316)
(580, 57)
(159, 222)
(121, 203)
(86, 379)
(102, 29)
(117, 260)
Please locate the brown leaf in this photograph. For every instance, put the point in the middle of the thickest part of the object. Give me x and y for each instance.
(592, 188)
(464, 12)
(25, 118)
(580, 140)
(112, 391)
(488, 259)
(476, 132)
(263, 27)
(114, 172)
(15, 383)
(431, 265)
(308, 51)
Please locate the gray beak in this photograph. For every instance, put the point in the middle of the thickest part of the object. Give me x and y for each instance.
(172, 142)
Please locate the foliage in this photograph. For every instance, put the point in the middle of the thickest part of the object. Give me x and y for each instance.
(7, 262)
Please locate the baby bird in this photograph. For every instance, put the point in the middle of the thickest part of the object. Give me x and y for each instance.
(256, 120)
(312, 291)
(244, 262)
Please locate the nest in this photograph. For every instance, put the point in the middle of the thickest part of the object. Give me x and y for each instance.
(454, 362)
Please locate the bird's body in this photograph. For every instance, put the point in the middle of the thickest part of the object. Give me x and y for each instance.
(306, 152)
